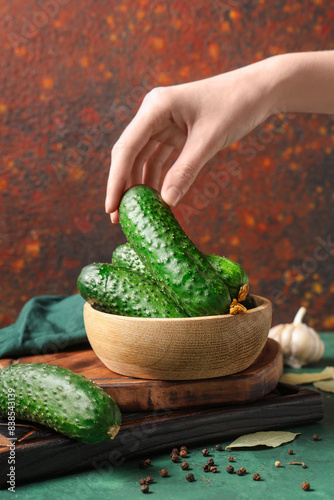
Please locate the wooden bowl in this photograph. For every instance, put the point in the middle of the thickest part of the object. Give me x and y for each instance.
(179, 348)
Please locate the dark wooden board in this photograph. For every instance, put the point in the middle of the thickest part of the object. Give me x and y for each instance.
(41, 453)
(133, 394)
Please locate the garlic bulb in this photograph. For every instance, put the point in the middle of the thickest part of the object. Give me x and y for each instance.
(300, 343)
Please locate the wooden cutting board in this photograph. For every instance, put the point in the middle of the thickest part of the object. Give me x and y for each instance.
(41, 453)
(157, 416)
(133, 394)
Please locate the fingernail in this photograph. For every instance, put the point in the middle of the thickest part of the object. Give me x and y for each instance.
(172, 196)
(107, 203)
(114, 217)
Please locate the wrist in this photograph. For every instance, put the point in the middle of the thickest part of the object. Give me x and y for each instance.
(263, 86)
(270, 77)
(282, 74)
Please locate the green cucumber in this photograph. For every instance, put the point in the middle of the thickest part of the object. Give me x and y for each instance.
(124, 255)
(169, 255)
(232, 273)
(118, 290)
(60, 399)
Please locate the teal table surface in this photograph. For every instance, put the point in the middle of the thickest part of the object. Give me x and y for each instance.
(122, 482)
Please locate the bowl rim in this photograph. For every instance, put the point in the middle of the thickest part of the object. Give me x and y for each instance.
(263, 305)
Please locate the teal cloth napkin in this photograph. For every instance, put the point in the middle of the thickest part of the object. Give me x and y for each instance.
(47, 324)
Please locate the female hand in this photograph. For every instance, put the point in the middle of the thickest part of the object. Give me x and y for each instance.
(200, 118)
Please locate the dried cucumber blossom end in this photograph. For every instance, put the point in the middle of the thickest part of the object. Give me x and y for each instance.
(243, 292)
(236, 308)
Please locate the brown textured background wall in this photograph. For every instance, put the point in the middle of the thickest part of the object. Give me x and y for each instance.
(72, 75)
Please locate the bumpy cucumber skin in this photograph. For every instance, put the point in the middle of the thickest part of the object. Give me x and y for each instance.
(60, 399)
(124, 255)
(170, 256)
(232, 273)
(118, 290)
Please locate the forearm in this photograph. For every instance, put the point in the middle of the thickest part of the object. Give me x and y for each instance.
(303, 82)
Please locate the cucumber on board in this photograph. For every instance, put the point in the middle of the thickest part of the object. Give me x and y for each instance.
(60, 399)
(169, 255)
(232, 273)
(118, 290)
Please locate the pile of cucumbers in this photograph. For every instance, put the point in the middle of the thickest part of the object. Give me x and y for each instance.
(159, 272)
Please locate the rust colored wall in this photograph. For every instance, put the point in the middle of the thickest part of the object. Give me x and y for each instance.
(73, 74)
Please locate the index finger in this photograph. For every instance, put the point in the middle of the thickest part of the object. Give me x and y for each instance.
(123, 155)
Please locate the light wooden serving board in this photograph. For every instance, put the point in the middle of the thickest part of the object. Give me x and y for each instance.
(132, 394)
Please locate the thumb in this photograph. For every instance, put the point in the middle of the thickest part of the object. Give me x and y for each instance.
(183, 173)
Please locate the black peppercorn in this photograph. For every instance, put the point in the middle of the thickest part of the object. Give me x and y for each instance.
(315, 437)
(144, 463)
(241, 471)
(230, 469)
(290, 452)
(175, 458)
(183, 453)
(219, 447)
(211, 461)
(213, 468)
(144, 488)
(164, 473)
(142, 481)
(183, 448)
(205, 452)
(206, 467)
(190, 477)
(174, 451)
(306, 486)
(149, 480)
(184, 466)
(256, 477)
(230, 459)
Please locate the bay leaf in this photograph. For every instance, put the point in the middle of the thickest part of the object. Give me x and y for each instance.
(4, 441)
(325, 385)
(305, 378)
(266, 438)
(330, 370)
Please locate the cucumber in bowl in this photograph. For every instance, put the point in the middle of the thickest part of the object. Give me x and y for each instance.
(170, 256)
(232, 273)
